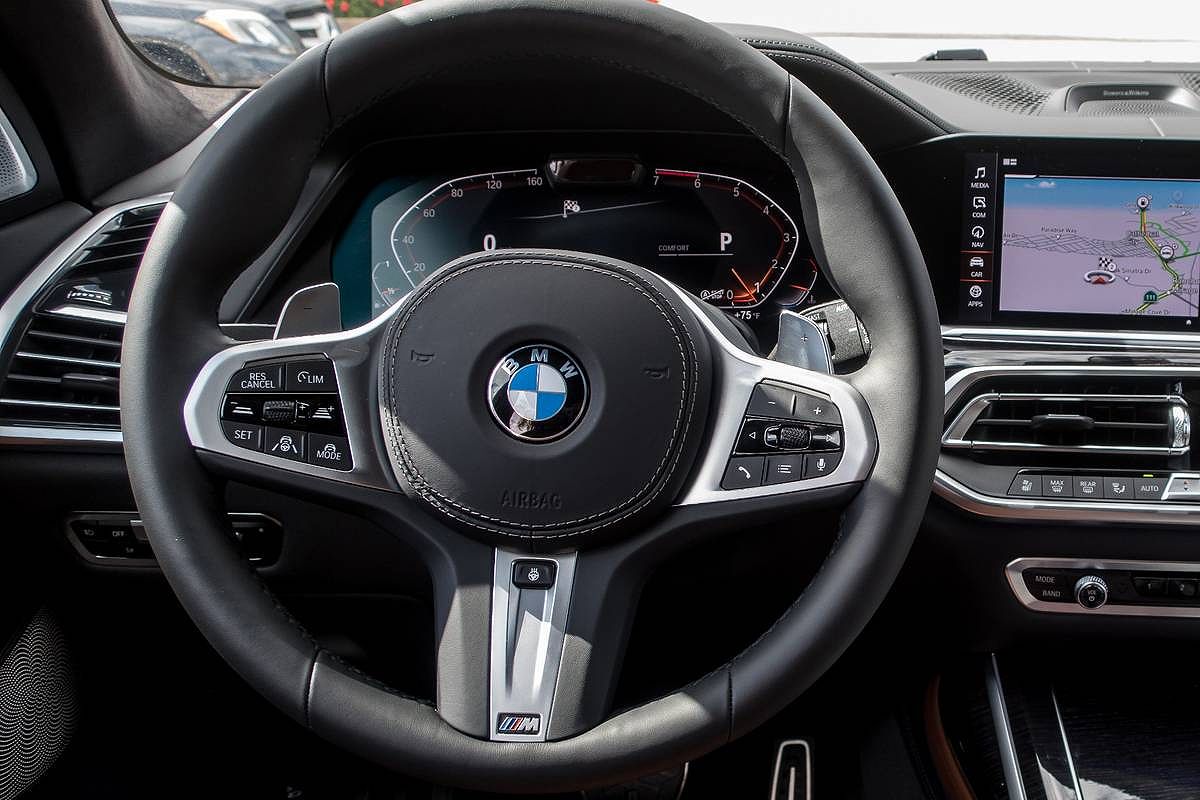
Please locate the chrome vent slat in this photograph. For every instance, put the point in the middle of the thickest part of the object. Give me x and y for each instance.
(64, 337)
(1108, 423)
(59, 404)
(80, 362)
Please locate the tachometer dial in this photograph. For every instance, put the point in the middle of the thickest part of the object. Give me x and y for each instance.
(717, 236)
(755, 239)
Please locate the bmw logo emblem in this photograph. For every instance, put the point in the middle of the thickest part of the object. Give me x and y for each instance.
(537, 393)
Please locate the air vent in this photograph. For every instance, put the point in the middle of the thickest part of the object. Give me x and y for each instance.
(63, 371)
(118, 245)
(997, 89)
(1143, 420)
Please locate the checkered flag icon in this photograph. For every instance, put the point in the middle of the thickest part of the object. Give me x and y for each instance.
(1106, 262)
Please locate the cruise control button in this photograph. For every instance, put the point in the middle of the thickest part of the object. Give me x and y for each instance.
(743, 472)
(1057, 486)
(329, 451)
(279, 411)
(284, 443)
(1116, 488)
(319, 413)
(259, 378)
(769, 400)
(1089, 487)
(1148, 488)
(816, 409)
(1026, 486)
(247, 436)
(242, 408)
(817, 465)
(784, 469)
(311, 376)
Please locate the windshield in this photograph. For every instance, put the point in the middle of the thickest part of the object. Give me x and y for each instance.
(1011, 30)
(244, 42)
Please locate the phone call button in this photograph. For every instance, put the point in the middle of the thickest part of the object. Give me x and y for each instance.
(743, 472)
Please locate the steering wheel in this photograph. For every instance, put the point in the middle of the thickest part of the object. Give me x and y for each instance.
(543, 427)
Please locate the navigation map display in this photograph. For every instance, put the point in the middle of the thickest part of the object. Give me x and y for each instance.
(1118, 246)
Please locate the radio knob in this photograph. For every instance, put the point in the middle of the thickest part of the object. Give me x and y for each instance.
(1091, 591)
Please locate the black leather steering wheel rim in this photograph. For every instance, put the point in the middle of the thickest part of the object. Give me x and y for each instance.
(245, 185)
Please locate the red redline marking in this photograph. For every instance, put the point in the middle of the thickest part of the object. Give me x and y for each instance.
(676, 173)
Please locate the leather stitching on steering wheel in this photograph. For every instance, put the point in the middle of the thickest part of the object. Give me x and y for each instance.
(678, 431)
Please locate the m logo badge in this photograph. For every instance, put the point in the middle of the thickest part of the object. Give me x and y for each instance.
(519, 724)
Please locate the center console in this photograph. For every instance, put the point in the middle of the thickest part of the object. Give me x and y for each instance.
(1067, 274)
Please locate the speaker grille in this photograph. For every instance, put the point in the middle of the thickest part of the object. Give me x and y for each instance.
(1134, 108)
(38, 710)
(17, 175)
(997, 89)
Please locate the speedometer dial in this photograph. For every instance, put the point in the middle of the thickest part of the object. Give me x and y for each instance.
(717, 236)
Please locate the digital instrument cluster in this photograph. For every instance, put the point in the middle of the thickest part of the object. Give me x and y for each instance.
(718, 236)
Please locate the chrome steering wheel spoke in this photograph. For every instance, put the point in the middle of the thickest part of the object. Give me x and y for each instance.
(295, 405)
(778, 429)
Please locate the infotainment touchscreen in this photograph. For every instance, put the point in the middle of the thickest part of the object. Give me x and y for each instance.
(1057, 238)
(1113, 246)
